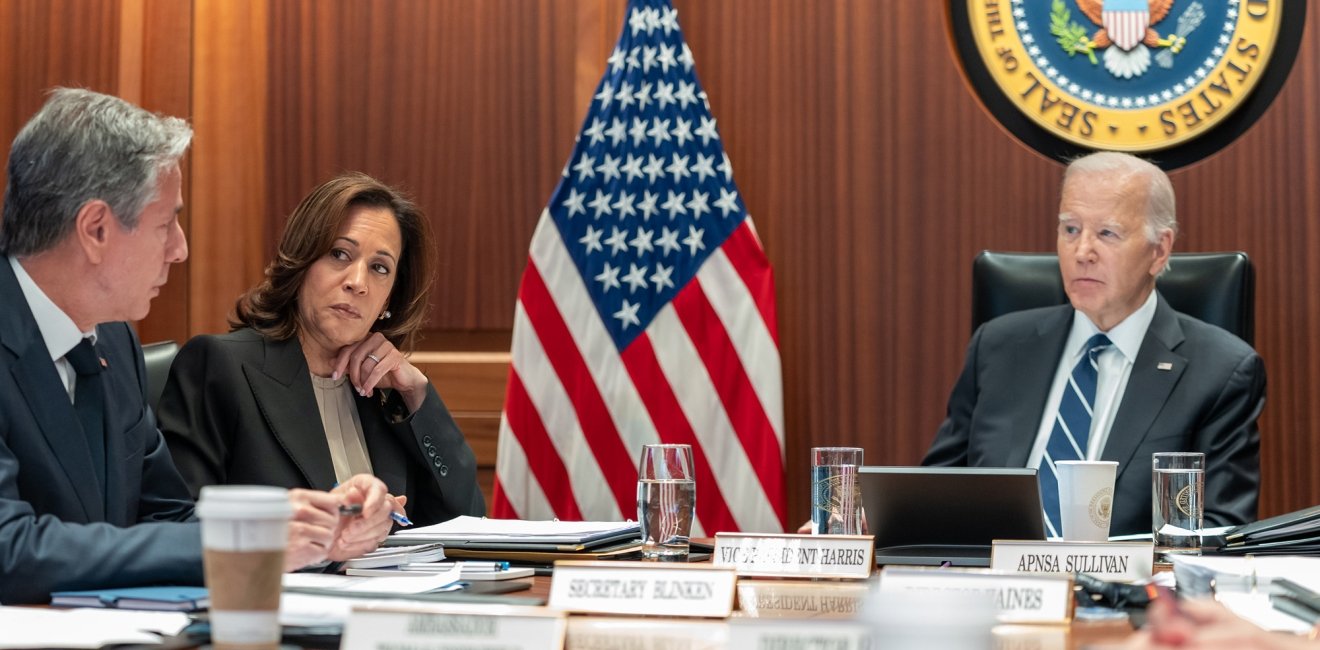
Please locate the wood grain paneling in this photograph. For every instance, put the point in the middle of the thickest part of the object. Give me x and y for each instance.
(230, 172)
(871, 171)
(44, 44)
(161, 78)
(468, 106)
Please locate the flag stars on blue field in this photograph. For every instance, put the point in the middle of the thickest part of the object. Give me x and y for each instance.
(648, 192)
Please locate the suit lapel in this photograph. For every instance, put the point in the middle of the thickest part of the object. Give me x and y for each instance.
(34, 373)
(1037, 354)
(283, 390)
(1148, 386)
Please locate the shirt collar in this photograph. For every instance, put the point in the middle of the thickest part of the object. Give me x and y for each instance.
(58, 331)
(1126, 336)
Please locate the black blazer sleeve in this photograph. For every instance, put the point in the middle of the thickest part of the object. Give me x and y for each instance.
(448, 487)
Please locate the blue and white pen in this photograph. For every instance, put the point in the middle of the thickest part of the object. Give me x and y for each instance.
(400, 518)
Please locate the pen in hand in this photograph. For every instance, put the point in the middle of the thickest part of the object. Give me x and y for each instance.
(355, 509)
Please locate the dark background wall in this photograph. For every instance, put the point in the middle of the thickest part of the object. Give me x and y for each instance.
(872, 174)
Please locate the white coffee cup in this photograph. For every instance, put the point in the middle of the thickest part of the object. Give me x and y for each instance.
(1086, 498)
(245, 529)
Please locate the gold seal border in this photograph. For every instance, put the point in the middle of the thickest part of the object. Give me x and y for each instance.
(1069, 117)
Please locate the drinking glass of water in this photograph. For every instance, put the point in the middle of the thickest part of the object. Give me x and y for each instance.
(666, 497)
(1179, 490)
(836, 496)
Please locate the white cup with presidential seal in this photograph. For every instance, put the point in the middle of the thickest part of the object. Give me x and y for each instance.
(1086, 498)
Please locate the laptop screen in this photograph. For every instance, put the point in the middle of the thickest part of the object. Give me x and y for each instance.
(951, 505)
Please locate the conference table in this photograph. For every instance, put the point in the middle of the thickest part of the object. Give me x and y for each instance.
(587, 631)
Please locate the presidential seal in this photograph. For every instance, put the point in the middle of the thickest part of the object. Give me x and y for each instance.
(1125, 75)
(1101, 507)
(1184, 501)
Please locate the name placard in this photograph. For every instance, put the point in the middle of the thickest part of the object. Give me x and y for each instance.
(643, 588)
(618, 633)
(764, 633)
(796, 556)
(1017, 598)
(1031, 637)
(454, 626)
(1126, 561)
(785, 599)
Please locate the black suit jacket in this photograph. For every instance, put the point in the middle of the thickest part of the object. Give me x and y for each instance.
(239, 408)
(58, 530)
(1207, 400)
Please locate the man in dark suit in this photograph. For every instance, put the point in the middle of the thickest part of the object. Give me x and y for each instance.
(89, 497)
(1159, 380)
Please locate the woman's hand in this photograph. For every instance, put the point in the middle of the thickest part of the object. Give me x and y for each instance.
(374, 362)
(312, 527)
(362, 533)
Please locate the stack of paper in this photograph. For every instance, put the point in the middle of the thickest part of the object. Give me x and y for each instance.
(396, 555)
(526, 541)
(330, 584)
(471, 571)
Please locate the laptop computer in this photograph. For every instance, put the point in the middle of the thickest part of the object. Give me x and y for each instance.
(937, 515)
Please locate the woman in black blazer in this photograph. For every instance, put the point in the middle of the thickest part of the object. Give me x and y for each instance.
(310, 386)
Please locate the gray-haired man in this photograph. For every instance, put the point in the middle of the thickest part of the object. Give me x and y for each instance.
(89, 497)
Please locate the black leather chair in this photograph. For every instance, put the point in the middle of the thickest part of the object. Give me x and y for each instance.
(1218, 288)
(158, 357)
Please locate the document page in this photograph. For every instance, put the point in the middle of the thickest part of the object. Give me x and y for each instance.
(481, 529)
(28, 627)
(419, 583)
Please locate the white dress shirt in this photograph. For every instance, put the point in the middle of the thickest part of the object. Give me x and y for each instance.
(1115, 366)
(57, 330)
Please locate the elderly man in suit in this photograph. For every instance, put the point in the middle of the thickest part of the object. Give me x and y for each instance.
(1143, 377)
(89, 497)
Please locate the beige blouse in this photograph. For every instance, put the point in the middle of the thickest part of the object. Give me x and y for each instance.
(343, 429)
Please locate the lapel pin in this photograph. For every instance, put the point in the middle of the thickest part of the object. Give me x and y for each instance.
(1164, 365)
(103, 363)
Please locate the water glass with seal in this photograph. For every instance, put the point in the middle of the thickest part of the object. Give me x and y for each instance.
(244, 532)
(1177, 502)
(836, 494)
(666, 500)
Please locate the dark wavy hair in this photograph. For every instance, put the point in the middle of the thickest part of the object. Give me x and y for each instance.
(272, 306)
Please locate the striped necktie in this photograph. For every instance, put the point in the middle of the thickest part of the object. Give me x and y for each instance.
(1072, 428)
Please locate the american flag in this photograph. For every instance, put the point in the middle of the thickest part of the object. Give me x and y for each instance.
(646, 313)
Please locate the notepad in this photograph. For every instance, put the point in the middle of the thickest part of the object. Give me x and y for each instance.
(396, 555)
(478, 533)
(161, 599)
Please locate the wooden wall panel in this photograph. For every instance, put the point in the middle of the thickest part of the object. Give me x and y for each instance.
(53, 43)
(468, 106)
(229, 165)
(160, 80)
(871, 171)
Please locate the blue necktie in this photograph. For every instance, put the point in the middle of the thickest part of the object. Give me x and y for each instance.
(1072, 428)
(89, 402)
